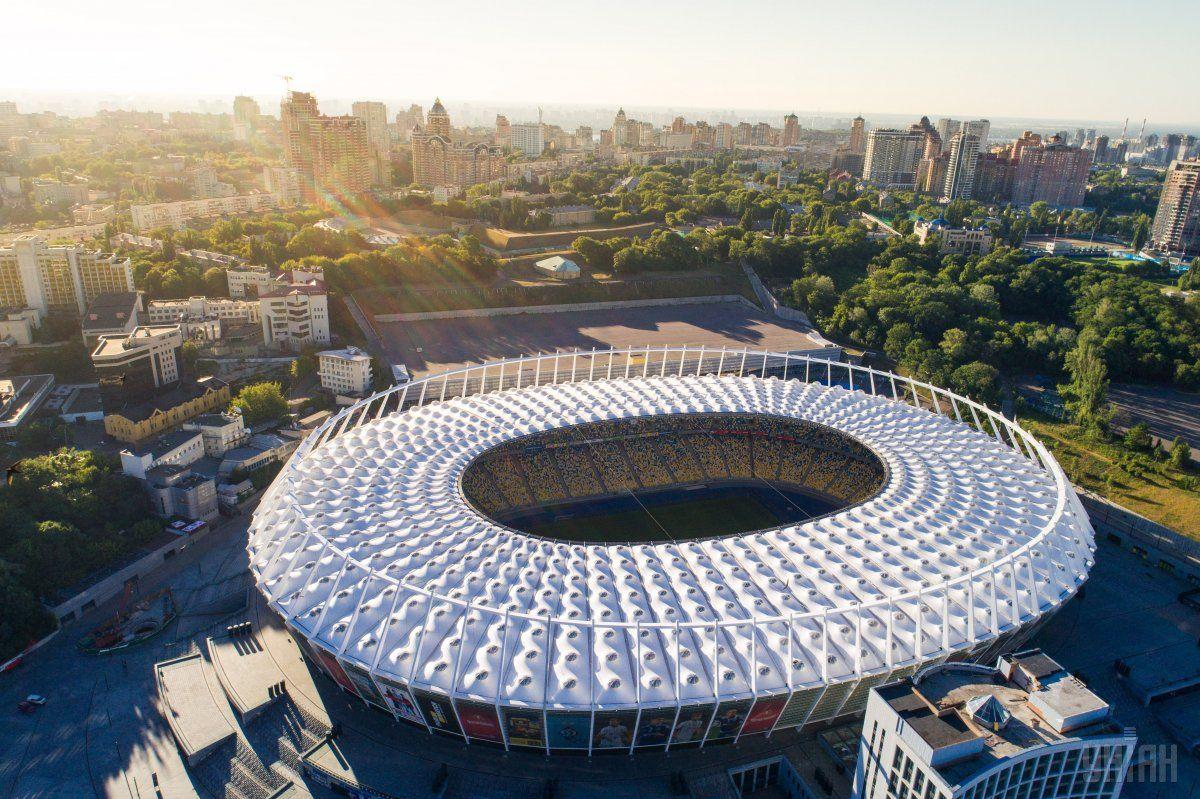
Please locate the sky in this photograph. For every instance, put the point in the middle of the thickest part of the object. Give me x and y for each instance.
(1097, 60)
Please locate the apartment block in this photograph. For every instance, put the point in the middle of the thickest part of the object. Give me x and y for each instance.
(58, 279)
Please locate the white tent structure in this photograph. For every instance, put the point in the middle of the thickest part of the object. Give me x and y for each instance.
(413, 600)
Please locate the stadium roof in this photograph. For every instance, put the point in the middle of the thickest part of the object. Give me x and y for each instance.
(368, 548)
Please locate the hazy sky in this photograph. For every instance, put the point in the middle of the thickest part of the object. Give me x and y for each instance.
(1084, 59)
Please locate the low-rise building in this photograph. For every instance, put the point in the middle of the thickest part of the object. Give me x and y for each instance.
(220, 432)
(561, 215)
(178, 491)
(94, 214)
(1025, 728)
(229, 311)
(345, 372)
(177, 214)
(20, 398)
(135, 422)
(258, 453)
(955, 240)
(177, 448)
(558, 268)
(114, 313)
(17, 326)
(295, 315)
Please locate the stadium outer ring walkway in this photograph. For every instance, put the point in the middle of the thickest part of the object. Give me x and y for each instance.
(1011, 582)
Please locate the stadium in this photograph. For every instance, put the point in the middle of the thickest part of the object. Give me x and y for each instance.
(659, 548)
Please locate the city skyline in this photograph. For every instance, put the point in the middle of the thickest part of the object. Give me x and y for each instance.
(806, 59)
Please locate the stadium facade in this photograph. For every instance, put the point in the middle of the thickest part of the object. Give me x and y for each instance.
(955, 535)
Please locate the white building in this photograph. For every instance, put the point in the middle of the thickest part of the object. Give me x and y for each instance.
(179, 448)
(558, 268)
(220, 432)
(345, 372)
(1026, 728)
(528, 137)
(149, 356)
(55, 192)
(16, 327)
(58, 279)
(891, 158)
(247, 281)
(960, 168)
(177, 214)
(295, 315)
(229, 311)
(283, 182)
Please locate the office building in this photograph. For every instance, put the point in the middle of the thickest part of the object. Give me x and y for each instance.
(111, 314)
(1052, 172)
(1176, 226)
(891, 158)
(178, 214)
(332, 155)
(1026, 728)
(58, 279)
(219, 432)
(178, 491)
(959, 183)
(295, 315)
(346, 372)
(134, 367)
(527, 138)
(228, 311)
(440, 161)
(379, 139)
(952, 240)
(138, 421)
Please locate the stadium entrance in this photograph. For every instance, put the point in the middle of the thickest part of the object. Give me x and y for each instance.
(671, 478)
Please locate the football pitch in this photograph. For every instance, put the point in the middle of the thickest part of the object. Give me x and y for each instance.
(674, 515)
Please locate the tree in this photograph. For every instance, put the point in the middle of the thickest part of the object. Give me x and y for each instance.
(215, 282)
(1138, 437)
(1086, 396)
(1140, 234)
(23, 620)
(1181, 454)
(260, 402)
(597, 254)
(977, 380)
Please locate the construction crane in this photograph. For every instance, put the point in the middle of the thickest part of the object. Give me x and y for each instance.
(287, 82)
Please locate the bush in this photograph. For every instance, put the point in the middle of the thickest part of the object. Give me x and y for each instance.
(1138, 437)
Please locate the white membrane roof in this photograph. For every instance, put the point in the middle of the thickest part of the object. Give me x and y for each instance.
(368, 547)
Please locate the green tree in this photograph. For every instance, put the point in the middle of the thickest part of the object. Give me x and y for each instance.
(215, 282)
(597, 254)
(1086, 395)
(1181, 454)
(1138, 437)
(261, 402)
(977, 380)
(1140, 234)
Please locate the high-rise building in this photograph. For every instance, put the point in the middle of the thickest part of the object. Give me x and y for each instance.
(931, 173)
(947, 127)
(295, 315)
(745, 134)
(1054, 173)
(379, 139)
(858, 135)
(1176, 225)
(58, 279)
(724, 137)
(1100, 150)
(584, 138)
(791, 130)
(245, 110)
(1027, 728)
(503, 132)
(959, 182)
(993, 177)
(438, 161)
(331, 154)
(528, 137)
(414, 117)
(891, 157)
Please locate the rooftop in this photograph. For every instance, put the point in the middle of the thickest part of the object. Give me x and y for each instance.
(165, 444)
(110, 311)
(347, 354)
(144, 335)
(184, 392)
(20, 396)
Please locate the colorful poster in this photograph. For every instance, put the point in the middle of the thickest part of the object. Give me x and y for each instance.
(691, 724)
(654, 727)
(568, 730)
(764, 714)
(613, 730)
(437, 711)
(729, 719)
(400, 701)
(524, 727)
(479, 721)
(333, 669)
(362, 682)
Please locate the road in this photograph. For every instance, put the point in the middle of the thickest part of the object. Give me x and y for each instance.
(1169, 413)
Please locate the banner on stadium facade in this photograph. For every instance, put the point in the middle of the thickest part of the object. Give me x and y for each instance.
(654, 727)
(691, 724)
(400, 701)
(763, 715)
(438, 711)
(613, 729)
(334, 669)
(479, 721)
(729, 719)
(524, 727)
(362, 682)
(568, 730)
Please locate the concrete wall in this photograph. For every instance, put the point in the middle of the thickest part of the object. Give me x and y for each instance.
(578, 306)
(1159, 544)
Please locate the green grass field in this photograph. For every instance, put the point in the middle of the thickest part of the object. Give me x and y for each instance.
(681, 520)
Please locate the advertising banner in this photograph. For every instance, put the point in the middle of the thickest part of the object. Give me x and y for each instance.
(400, 701)
(691, 724)
(362, 682)
(568, 730)
(333, 669)
(613, 730)
(729, 719)
(524, 727)
(437, 711)
(654, 727)
(479, 721)
(762, 717)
